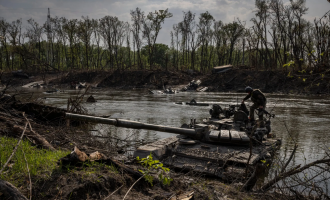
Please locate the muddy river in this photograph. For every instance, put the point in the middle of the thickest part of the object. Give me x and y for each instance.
(304, 118)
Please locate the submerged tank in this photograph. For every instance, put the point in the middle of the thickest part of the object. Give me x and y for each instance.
(222, 145)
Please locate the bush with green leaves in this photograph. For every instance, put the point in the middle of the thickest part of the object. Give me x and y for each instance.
(149, 164)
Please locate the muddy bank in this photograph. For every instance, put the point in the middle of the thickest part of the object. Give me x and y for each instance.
(298, 82)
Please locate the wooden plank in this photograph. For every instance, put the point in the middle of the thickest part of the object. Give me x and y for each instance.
(235, 136)
(244, 137)
(224, 135)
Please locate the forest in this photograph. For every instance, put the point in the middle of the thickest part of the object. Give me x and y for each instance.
(279, 39)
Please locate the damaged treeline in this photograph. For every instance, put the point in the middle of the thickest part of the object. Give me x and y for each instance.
(280, 36)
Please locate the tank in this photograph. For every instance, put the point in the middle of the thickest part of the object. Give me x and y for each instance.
(222, 145)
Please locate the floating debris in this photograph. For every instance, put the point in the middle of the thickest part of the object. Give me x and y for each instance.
(52, 91)
(194, 103)
(166, 91)
(91, 99)
(37, 84)
(193, 85)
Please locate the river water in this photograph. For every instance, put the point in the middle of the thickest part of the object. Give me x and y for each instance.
(303, 119)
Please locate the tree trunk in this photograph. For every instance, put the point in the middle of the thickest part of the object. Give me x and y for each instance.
(254, 177)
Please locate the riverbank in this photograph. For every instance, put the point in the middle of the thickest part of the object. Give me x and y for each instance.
(93, 180)
(235, 80)
(40, 167)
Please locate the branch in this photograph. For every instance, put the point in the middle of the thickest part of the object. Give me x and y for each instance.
(35, 136)
(39, 138)
(113, 193)
(254, 177)
(324, 15)
(292, 154)
(132, 186)
(291, 172)
(15, 149)
(27, 166)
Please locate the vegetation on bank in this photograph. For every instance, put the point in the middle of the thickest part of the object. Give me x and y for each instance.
(279, 37)
(41, 162)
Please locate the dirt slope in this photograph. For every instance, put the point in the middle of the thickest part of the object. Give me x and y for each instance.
(234, 80)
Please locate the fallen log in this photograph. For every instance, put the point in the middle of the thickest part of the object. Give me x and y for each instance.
(8, 191)
(31, 134)
(292, 171)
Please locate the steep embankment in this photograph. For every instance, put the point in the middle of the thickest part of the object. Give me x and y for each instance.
(269, 81)
(234, 80)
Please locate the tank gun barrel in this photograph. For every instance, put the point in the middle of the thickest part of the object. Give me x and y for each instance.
(134, 124)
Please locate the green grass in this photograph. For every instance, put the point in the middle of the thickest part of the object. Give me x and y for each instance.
(41, 162)
(91, 167)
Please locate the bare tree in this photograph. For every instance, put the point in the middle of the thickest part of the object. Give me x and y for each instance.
(137, 17)
(14, 31)
(233, 31)
(69, 28)
(176, 43)
(34, 33)
(151, 27)
(4, 30)
(84, 32)
(219, 37)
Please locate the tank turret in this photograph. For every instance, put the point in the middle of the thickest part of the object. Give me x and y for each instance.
(212, 133)
(209, 146)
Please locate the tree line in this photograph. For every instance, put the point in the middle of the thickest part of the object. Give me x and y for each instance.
(279, 38)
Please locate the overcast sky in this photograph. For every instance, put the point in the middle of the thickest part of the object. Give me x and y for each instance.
(224, 10)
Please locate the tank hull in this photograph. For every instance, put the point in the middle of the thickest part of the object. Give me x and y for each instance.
(211, 159)
(222, 146)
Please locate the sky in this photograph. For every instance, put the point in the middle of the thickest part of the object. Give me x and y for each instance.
(224, 10)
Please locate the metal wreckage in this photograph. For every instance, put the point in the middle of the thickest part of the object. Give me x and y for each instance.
(193, 85)
(223, 145)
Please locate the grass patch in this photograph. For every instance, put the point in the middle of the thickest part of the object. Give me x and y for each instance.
(41, 162)
(92, 167)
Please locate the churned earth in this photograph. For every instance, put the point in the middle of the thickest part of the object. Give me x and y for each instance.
(235, 80)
